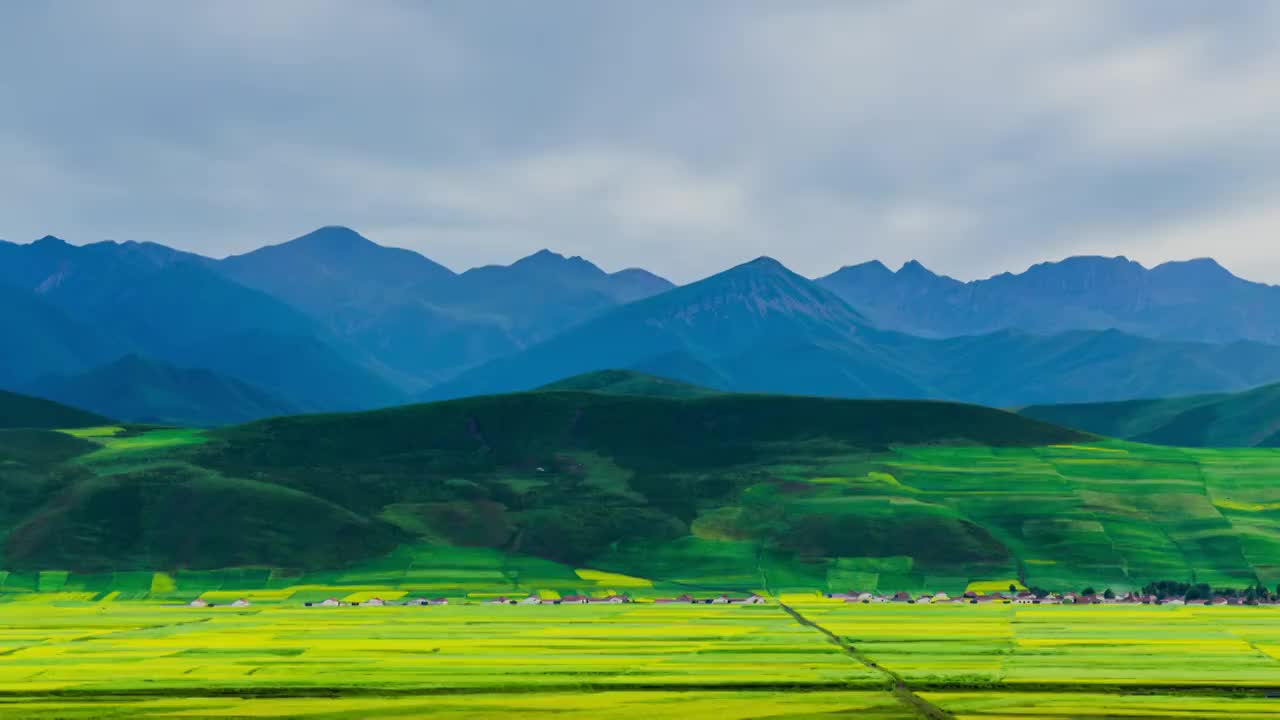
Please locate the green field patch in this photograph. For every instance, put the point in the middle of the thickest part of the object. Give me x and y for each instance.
(94, 433)
(135, 447)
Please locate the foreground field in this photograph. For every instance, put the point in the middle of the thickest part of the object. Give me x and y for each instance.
(134, 659)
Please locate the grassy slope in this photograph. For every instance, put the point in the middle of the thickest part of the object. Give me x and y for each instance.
(1247, 419)
(726, 491)
(24, 411)
(628, 382)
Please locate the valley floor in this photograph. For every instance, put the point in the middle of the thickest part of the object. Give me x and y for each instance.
(802, 659)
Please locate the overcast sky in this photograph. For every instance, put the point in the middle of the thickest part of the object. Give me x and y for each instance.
(683, 137)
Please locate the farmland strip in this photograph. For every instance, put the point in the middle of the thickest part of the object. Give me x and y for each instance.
(901, 691)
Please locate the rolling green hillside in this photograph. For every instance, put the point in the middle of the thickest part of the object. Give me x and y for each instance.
(629, 382)
(24, 411)
(728, 491)
(1247, 419)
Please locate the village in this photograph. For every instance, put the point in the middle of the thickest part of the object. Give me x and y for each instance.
(1069, 598)
(1013, 597)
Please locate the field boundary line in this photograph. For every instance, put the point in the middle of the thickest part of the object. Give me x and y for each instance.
(901, 691)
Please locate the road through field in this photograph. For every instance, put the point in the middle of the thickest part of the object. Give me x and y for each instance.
(901, 690)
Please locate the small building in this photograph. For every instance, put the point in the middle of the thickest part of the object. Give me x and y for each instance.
(684, 599)
(1218, 600)
(902, 597)
(1025, 598)
(752, 599)
(415, 602)
(438, 601)
(374, 602)
(331, 602)
(720, 600)
(532, 599)
(575, 600)
(198, 603)
(240, 603)
(612, 600)
(500, 600)
(941, 597)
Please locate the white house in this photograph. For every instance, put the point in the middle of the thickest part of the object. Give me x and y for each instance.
(198, 603)
(240, 603)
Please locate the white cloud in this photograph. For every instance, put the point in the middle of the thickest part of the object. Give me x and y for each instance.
(975, 137)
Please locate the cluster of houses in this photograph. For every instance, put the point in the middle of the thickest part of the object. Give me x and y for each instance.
(939, 598)
(377, 602)
(1027, 598)
(200, 603)
(751, 599)
(531, 599)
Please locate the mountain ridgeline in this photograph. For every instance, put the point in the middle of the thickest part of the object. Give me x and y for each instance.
(332, 321)
(1246, 419)
(1196, 300)
(759, 327)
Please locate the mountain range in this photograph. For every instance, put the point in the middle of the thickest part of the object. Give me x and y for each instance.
(332, 321)
(1196, 300)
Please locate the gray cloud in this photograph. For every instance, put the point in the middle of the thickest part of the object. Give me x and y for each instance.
(977, 137)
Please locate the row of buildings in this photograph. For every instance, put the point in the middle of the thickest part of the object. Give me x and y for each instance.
(1027, 598)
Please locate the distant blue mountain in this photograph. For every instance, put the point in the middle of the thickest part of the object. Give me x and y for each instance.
(334, 321)
(1197, 300)
(97, 302)
(760, 327)
(421, 322)
(138, 389)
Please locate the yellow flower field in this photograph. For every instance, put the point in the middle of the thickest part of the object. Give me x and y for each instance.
(67, 657)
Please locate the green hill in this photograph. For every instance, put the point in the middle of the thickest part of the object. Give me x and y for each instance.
(629, 382)
(1247, 419)
(25, 411)
(723, 491)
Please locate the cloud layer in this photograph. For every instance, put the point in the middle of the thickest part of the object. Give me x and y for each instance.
(977, 137)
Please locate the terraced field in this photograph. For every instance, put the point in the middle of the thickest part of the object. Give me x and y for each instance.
(64, 657)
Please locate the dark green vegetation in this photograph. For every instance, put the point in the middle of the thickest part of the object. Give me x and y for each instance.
(628, 382)
(139, 389)
(23, 411)
(731, 491)
(1247, 419)
(586, 479)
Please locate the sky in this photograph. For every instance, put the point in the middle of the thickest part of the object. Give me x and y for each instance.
(683, 137)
